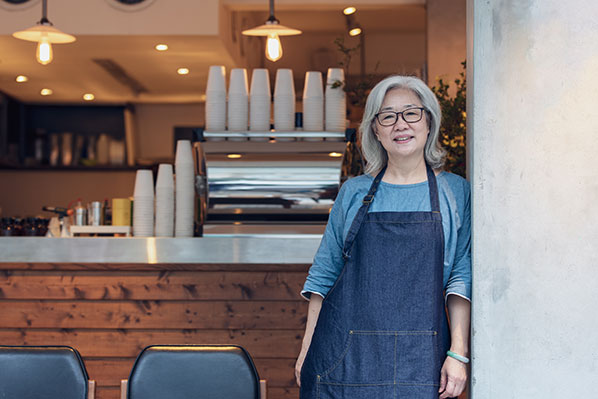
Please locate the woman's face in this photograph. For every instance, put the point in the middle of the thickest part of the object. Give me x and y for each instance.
(402, 139)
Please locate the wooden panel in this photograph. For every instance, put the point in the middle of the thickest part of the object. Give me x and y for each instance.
(154, 314)
(228, 267)
(109, 372)
(273, 393)
(124, 343)
(153, 285)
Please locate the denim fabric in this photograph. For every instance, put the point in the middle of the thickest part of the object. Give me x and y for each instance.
(382, 330)
(454, 199)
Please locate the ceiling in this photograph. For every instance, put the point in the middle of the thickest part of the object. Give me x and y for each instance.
(74, 72)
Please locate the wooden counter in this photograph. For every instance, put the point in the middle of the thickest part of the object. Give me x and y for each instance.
(111, 311)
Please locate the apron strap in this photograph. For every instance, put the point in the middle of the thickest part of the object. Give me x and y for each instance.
(433, 188)
(367, 200)
(361, 213)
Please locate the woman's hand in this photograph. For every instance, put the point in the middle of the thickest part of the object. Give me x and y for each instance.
(299, 364)
(453, 378)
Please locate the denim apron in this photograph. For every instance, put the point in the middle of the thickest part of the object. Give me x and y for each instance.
(382, 330)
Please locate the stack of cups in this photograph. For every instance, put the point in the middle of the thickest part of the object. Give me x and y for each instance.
(336, 100)
(284, 101)
(260, 98)
(216, 99)
(313, 102)
(238, 105)
(165, 201)
(184, 190)
(143, 204)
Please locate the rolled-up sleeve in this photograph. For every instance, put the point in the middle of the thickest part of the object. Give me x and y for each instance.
(459, 282)
(328, 261)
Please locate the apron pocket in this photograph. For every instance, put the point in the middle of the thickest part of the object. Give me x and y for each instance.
(369, 358)
(418, 362)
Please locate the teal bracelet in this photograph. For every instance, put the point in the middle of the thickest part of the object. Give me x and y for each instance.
(460, 358)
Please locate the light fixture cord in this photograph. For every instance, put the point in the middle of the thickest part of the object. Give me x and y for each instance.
(44, 20)
(272, 18)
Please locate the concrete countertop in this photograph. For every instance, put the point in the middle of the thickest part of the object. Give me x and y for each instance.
(212, 249)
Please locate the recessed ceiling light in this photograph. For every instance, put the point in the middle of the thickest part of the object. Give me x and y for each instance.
(349, 10)
(182, 71)
(88, 97)
(46, 92)
(355, 32)
(21, 78)
(335, 154)
(234, 156)
(161, 47)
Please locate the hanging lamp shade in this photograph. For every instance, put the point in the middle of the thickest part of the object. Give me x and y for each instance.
(53, 35)
(271, 27)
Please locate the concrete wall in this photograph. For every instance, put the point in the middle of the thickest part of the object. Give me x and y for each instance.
(535, 185)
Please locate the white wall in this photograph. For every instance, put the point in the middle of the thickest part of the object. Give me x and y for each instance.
(98, 17)
(155, 124)
(446, 39)
(535, 186)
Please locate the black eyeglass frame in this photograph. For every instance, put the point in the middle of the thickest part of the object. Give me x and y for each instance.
(421, 115)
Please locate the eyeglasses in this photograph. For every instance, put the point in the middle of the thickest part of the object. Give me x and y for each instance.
(410, 115)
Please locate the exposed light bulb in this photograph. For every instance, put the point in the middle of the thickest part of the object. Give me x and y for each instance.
(44, 51)
(273, 47)
(349, 10)
(355, 32)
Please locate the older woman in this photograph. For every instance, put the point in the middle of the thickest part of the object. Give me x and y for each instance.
(396, 250)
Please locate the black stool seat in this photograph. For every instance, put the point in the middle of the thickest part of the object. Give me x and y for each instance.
(193, 371)
(42, 372)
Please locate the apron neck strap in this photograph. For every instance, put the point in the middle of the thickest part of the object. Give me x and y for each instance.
(433, 188)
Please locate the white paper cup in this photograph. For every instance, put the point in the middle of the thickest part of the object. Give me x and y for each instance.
(313, 84)
(260, 82)
(183, 152)
(284, 83)
(335, 75)
(217, 79)
(238, 82)
(144, 183)
(165, 176)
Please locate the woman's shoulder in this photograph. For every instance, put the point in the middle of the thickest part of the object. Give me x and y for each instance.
(358, 183)
(454, 181)
(455, 188)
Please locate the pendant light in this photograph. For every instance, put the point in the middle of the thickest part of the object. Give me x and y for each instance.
(272, 29)
(44, 33)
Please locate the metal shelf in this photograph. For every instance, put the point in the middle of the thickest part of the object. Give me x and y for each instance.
(297, 135)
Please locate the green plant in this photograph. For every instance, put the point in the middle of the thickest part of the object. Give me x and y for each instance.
(357, 90)
(453, 128)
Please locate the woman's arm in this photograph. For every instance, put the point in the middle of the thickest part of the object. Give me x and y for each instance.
(313, 312)
(453, 377)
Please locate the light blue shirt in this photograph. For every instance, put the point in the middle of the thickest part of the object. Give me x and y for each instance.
(454, 196)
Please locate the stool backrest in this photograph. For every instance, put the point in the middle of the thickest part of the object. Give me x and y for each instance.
(42, 372)
(193, 371)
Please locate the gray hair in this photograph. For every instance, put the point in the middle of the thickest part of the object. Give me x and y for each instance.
(373, 151)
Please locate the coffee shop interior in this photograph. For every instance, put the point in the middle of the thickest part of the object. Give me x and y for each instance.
(130, 94)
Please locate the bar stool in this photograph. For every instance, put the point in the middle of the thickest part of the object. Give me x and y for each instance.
(193, 371)
(48, 372)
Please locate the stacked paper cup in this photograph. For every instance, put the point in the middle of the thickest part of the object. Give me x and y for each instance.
(216, 99)
(165, 201)
(336, 102)
(260, 98)
(184, 190)
(313, 102)
(284, 101)
(238, 105)
(143, 204)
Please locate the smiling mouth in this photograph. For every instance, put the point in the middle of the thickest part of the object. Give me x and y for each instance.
(402, 139)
